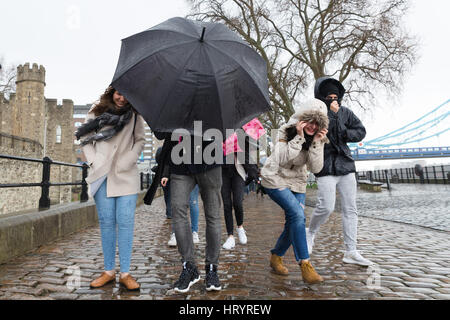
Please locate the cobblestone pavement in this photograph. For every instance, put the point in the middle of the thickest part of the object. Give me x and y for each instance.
(425, 205)
(411, 262)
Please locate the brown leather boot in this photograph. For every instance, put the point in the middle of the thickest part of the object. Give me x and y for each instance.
(129, 282)
(276, 262)
(309, 274)
(102, 280)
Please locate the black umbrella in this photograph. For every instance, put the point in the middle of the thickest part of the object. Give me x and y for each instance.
(182, 71)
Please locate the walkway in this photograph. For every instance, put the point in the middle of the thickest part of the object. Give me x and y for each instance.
(411, 262)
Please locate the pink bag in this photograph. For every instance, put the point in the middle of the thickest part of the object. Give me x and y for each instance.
(253, 128)
(231, 145)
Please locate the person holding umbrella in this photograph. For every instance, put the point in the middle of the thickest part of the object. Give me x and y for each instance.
(183, 178)
(175, 74)
(284, 176)
(113, 137)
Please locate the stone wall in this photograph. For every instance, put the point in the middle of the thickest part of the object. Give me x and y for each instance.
(59, 147)
(6, 114)
(29, 119)
(16, 171)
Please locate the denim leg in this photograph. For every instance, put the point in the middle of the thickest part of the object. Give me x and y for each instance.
(284, 241)
(294, 229)
(106, 209)
(193, 207)
(125, 208)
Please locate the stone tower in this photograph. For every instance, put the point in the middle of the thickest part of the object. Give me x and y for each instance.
(29, 110)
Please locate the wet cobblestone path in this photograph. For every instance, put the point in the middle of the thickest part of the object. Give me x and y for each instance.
(412, 262)
(425, 205)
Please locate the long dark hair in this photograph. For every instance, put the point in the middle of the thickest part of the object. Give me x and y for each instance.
(107, 103)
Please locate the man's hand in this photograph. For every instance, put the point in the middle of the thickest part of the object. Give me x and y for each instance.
(164, 181)
(334, 106)
(320, 135)
(299, 126)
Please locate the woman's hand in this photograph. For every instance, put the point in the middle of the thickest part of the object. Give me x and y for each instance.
(320, 135)
(300, 126)
(164, 181)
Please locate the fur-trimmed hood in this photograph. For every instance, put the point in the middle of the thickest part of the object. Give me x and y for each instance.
(311, 110)
(310, 116)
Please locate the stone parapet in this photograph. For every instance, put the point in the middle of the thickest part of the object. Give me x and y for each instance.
(23, 232)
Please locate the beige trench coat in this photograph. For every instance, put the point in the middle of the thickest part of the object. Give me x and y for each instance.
(117, 158)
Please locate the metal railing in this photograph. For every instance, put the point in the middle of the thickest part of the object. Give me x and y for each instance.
(146, 180)
(430, 175)
(45, 184)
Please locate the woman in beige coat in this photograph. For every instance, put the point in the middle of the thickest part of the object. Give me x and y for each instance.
(113, 137)
(284, 175)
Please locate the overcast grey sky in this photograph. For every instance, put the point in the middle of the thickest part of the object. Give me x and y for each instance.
(78, 42)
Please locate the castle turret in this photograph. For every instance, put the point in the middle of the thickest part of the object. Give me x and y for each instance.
(29, 104)
(25, 73)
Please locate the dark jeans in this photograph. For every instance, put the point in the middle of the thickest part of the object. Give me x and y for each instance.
(232, 195)
(181, 186)
(166, 191)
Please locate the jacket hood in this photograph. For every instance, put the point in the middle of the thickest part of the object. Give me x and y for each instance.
(321, 81)
(312, 110)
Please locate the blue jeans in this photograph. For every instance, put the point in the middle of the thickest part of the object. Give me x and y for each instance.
(193, 208)
(294, 232)
(116, 219)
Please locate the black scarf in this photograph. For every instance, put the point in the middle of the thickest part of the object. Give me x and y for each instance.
(115, 117)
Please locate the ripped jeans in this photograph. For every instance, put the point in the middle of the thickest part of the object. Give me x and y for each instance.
(294, 232)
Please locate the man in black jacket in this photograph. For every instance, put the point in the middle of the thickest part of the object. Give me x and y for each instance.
(184, 176)
(338, 169)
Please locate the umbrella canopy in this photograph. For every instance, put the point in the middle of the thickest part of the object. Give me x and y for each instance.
(182, 71)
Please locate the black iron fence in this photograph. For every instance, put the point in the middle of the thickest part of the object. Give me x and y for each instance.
(432, 175)
(146, 180)
(45, 184)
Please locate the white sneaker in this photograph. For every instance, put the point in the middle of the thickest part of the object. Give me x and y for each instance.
(229, 244)
(310, 240)
(354, 257)
(195, 237)
(241, 235)
(173, 240)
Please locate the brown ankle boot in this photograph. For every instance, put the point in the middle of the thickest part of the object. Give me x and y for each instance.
(276, 262)
(102, 280)
(129, 282)
(309, 274)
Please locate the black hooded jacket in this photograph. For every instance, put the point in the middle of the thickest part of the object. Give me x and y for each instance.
(344, 126)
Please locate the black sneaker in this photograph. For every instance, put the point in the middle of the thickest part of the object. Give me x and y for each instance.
(188, 277)
(212, 279)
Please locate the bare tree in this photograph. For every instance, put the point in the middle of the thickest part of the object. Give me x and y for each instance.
(359, 42)
(7, 78)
